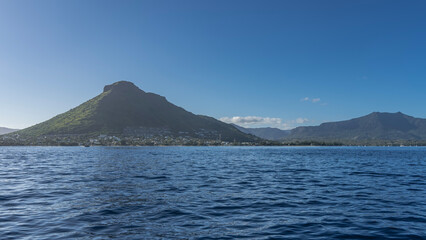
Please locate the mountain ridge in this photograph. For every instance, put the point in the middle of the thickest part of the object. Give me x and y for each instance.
(5, 130)
(374, 126)
(268, 133)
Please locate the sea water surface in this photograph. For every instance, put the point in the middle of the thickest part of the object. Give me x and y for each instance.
(212, 193)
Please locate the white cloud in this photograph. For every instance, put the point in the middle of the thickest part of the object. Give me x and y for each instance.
(312, 100)
(255, 121)
(250, 120)
(301, 120)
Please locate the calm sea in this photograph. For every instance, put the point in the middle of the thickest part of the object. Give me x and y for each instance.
(212, 193)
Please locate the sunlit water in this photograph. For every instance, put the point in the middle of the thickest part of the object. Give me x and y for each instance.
(212, 192)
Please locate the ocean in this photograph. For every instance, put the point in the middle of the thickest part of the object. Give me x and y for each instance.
(212, 193)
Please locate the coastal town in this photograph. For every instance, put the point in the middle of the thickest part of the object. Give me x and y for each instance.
(112, 140)
(170, 140)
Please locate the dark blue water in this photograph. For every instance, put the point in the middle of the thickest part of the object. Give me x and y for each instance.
(212, 192)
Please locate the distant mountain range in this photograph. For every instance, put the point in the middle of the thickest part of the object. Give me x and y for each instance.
(4, 130)
(124, 109)
(267, 133)
(374, 127)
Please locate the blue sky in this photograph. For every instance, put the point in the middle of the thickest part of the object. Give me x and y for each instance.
(258, 63)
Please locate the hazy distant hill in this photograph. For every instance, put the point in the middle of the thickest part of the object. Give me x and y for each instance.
(374, 126)
(123, 108)
(4, 130)
(265, 133)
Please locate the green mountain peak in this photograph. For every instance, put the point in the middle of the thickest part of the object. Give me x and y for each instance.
(124, 109)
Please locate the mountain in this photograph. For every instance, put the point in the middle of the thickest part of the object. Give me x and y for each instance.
(124, 109)
(376, 126)
(267, 133)
(4, 130)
